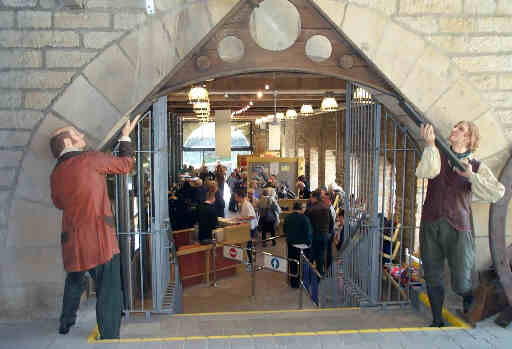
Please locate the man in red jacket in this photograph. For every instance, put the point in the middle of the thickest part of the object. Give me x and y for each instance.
(88, 239)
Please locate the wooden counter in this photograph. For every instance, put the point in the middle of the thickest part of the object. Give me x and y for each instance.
(196, 261)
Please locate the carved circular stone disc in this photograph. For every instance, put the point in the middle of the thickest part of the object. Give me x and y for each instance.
(231, 49)
(318, 48)
(275, 25)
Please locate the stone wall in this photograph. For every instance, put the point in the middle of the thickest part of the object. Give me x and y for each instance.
(83, 63)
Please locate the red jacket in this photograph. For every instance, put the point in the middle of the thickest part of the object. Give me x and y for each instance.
(79, 188)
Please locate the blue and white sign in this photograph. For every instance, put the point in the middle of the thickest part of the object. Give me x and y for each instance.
(275, 263)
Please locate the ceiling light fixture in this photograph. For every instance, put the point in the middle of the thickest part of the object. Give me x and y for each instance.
(306, 110)
(361, 96)
(329, 104)
(197, 94)
(267, 86)
(291, 114)
(259, 94)
(279, 116)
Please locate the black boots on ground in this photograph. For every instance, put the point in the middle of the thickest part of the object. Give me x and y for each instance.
(436, 297)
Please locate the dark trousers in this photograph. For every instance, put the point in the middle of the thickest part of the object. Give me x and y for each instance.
(329, 251)
(107, 278)
(293, 253)
(318, 251)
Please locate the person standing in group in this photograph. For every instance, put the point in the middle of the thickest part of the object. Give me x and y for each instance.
(320, 219)
(446, 229)
(207, 214)
(297, 229)
(247, 213)
(268, 211)
(220, 177)
(88, 238)
(233, 182)
(326, 200)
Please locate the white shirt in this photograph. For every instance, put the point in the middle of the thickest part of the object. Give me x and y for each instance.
(483, 183)
(248, 211)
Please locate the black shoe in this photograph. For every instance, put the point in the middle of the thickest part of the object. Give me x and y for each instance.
(64, 329)
(437, 324)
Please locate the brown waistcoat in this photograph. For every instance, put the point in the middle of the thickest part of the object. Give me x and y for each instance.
(449, 197)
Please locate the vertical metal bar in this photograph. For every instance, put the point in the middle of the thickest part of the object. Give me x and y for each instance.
(140, 193)
(375, 283)
(402, 213)
(159, 177)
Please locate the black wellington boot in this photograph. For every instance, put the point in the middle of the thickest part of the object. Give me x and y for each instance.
(436, 297)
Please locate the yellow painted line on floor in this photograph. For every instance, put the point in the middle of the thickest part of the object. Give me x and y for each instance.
(264, 312)
(454, 320)
(92, 338)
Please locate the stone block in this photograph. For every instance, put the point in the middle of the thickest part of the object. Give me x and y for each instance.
(100, 39)
(39, 145)
(504, 7)
(494, 25)
(30, 265)
(389, 7)
(85, 107)
(38, 38)
(40, 228)
(192, 24)
(117, 4)
(478, 64)
(430, 77)
(33, 180)
(490, 129)
(484, 81)
(219, 9)
(497, 161)
(479, 7)
(149, 38)
(483, 258)
(39, 100)
(423, 24)
(67, 58)
(20, 118)
(20, 59)
(35, 79)
(125, 21)
(368, 36)
(499, 99)
(421, 7)
(504, 116)
(6, 19)
(14, 138)
(458, 24)
(115, 77)
(505, 81)
(333, 9)
(49, 4)
(20, 3)
(87, 20)
(10, 158)
(7, 176)
(10, 99)
(34, 19)
(390, 57)
(460, 99)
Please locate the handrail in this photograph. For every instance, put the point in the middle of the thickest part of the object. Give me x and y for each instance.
(313, 267)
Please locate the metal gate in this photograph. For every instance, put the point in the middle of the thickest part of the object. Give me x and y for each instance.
(381, 206)
(150, 273)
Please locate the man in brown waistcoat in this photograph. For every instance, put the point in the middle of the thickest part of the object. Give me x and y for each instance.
(446, 230)
(88, 239)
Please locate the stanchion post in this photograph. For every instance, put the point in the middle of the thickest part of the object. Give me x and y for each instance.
(301, 284)
(253, 268)
(214, 262)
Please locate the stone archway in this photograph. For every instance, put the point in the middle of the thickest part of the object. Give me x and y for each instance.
(124, 74)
